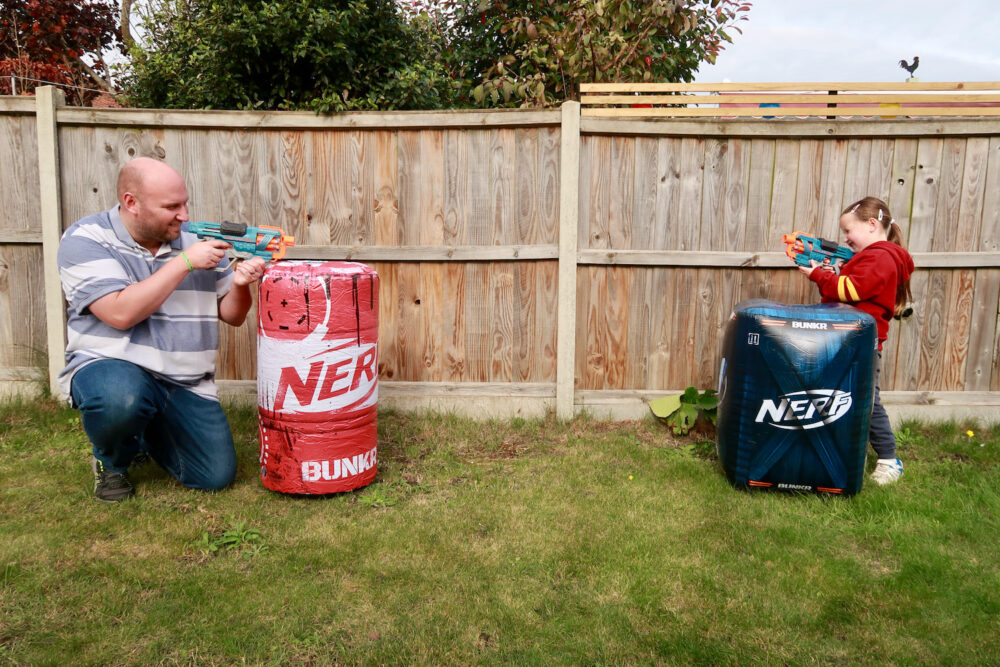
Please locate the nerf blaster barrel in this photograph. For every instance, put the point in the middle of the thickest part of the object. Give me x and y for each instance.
(801, 248)
(267, 242)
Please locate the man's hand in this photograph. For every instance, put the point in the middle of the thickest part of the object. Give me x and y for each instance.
(234, 306)
(206, 254)
(248, 271)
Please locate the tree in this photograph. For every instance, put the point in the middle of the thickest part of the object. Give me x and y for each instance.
(536, 52)
(326, 55)
(465, 39)
(52, 40)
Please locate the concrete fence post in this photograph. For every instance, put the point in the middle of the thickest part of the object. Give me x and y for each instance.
(569, 189)
(47, 100)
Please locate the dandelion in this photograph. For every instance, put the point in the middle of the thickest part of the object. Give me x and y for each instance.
(970, 434)
(630, 476)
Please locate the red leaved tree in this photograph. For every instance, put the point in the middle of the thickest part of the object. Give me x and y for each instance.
(58, 41)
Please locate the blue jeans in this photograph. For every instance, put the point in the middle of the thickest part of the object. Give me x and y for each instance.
(880, 432)
(125, 410)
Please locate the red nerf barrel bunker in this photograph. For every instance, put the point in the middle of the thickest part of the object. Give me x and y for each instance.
(317, 376)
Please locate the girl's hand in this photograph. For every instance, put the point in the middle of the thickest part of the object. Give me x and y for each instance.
(813, 265)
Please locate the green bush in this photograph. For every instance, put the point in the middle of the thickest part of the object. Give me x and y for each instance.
(325, 55)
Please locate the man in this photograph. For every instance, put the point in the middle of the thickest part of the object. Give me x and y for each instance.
(144, 300)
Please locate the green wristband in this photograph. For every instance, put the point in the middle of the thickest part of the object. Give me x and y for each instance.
(187, 261)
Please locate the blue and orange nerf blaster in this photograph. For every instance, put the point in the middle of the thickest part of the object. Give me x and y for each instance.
(801, 248)
(269, 243)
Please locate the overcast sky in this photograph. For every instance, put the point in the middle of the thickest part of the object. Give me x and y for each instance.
(862, 40)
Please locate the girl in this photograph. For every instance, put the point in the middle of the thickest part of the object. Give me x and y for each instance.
(876, 280)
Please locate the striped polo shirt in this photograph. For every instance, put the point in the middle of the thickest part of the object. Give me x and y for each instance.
(177, 343)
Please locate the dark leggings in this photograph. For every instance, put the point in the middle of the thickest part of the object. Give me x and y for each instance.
(880, 432)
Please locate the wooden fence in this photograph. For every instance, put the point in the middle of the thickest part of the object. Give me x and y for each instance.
(785, 100)
(537, 260)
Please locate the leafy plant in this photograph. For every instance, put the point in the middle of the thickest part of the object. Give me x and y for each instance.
(377, 495)
(681, 411)
(238, 538)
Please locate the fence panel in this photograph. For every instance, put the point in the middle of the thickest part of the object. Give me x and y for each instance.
(743, 194)
(22, 302)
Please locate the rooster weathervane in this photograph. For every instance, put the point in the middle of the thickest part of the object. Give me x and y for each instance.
(910, 67)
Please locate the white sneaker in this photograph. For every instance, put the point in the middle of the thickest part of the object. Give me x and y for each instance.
(887, 471)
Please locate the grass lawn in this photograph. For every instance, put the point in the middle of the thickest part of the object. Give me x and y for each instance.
(526, 542)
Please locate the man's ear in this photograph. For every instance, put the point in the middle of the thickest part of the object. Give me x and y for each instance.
(129, 202)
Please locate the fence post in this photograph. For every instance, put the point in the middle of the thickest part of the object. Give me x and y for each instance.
(47, 101)
(569, 189)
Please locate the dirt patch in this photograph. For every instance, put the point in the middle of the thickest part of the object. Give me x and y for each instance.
(510, 447)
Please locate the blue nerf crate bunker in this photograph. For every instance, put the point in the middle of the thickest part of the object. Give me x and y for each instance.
(796, 388)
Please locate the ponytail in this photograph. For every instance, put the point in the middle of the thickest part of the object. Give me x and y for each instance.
(894, 234)
(874, 208)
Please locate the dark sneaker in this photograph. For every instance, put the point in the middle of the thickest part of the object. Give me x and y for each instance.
(110, 487)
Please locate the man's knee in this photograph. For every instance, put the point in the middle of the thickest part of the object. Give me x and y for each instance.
(202, 440)
(121, 407)
(114, 399)
(215, 477)
(116, 388)
(223, 469)
(216, 483)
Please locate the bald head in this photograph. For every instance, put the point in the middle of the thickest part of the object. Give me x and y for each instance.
(143, 174)
(153, 201)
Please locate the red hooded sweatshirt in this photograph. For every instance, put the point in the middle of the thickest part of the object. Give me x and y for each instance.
(868, 281)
